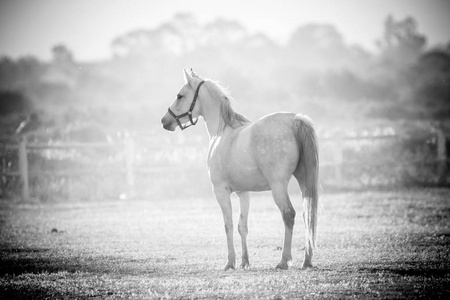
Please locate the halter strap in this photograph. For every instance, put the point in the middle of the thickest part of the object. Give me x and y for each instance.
(189, 112)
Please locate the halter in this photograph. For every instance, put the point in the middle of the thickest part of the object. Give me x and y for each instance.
(189, 112)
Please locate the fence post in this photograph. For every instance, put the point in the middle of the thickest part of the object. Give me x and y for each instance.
(23, 168)
(442, 156)
(338, 158)
(129, 162)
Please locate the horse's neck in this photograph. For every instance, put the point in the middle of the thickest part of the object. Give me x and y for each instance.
(211, 115)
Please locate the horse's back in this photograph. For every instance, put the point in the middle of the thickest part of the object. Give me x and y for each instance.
(274, 124)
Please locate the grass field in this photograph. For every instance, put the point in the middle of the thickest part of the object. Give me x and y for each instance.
(379, 244)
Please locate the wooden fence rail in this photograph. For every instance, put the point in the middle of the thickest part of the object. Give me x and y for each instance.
(129, 148)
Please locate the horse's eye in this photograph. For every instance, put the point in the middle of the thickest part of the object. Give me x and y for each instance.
(179, 96)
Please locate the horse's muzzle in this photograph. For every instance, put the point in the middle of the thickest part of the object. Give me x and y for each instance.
(167, 124)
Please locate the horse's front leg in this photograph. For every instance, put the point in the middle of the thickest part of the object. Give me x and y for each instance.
(244, 199)
(223, 197)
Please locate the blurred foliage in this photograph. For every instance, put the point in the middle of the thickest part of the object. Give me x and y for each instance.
(315, 73)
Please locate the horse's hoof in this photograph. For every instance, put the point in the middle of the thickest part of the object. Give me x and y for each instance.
(229, 266)
(245, 265)
(282, 265)
(306, 265)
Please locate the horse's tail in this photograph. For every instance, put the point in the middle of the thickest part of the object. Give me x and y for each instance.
(308, 171)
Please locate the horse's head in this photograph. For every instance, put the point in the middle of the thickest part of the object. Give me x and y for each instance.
(184, 112)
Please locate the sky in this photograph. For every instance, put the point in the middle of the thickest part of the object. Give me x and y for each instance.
(87, 27)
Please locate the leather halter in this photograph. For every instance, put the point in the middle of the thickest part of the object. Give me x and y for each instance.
(189, 112)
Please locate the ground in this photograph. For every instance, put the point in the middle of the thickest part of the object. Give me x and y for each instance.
(378, 244)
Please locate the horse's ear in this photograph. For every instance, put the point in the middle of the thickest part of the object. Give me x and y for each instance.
(187, 77)
(193, 74)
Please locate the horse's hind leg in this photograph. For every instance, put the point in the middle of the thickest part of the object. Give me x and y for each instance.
(223, 197)
(244, 199)
(307, 261)
(281, 197)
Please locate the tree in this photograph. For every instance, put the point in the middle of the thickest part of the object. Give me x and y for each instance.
(431, 82)
(62, 55)
(19, 74)
(401, 44)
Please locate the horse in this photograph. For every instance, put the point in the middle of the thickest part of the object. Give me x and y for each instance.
(247, 156)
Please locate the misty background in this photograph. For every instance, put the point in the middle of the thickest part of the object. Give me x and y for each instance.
(401, 87)
(316, 73)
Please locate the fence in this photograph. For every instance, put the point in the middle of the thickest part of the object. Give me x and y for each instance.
(397, 152)
(335, 162)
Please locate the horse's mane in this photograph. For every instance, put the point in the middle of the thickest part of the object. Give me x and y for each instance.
(229, 117)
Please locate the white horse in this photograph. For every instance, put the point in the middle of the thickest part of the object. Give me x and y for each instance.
(245, 156)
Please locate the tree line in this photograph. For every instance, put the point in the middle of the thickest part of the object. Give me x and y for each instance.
(315, 72)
